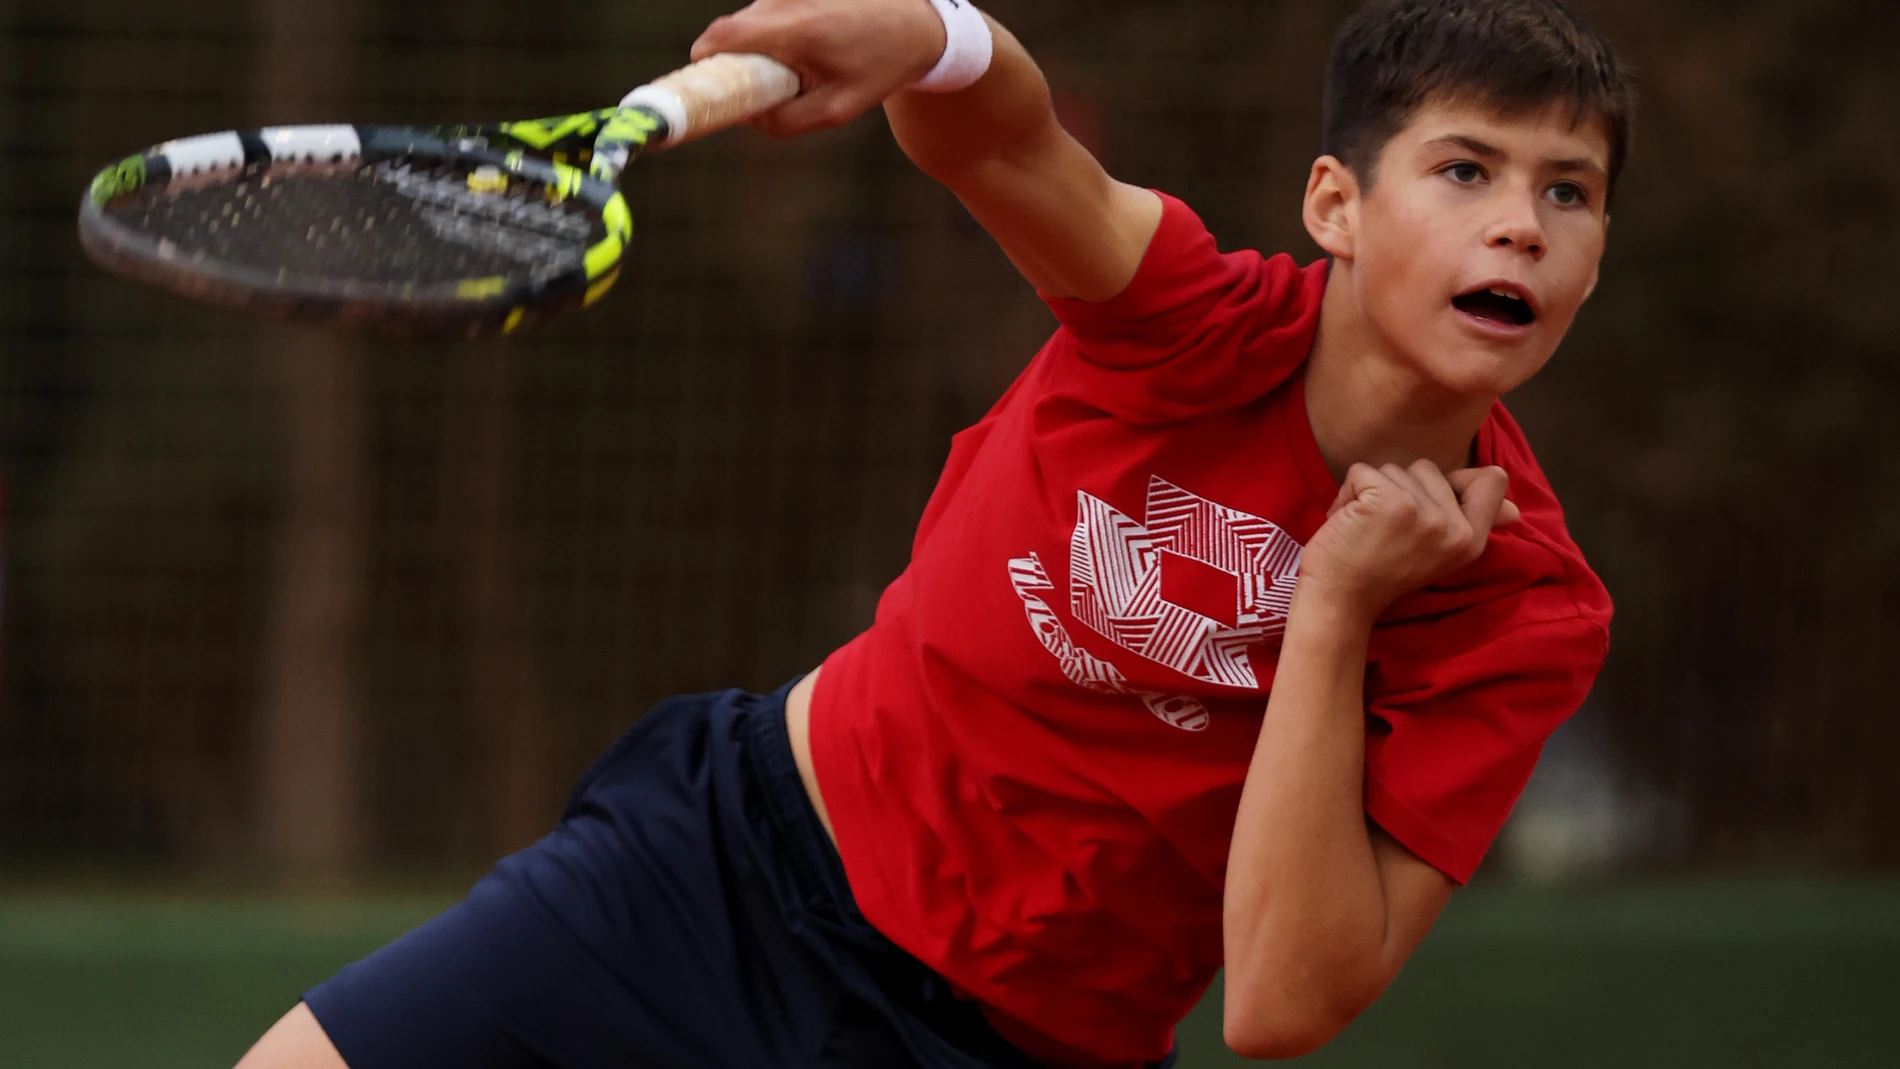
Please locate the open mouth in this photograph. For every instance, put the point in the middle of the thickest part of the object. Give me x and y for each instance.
(1497, 306)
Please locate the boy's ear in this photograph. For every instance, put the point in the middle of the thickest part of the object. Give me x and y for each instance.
(1332, 206)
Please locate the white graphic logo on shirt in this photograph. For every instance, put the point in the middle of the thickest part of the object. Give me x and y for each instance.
(1026, 574)
(1190, 588)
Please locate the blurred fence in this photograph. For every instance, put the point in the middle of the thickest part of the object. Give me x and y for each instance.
(277, 600)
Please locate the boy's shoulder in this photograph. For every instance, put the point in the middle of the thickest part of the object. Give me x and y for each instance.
(1184, 274)
(1543, 528)
(1197, 331)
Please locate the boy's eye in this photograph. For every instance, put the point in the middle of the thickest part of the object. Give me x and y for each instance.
(1568, 195)
(1464, 173)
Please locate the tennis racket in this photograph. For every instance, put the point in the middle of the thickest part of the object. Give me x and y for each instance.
(459, 230)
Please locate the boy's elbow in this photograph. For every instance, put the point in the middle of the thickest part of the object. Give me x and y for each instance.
(1279, 1028)
(1273, 1042)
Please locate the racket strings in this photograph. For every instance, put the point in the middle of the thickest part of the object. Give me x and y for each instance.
(391, 225)
(532, 234)
(454, 194)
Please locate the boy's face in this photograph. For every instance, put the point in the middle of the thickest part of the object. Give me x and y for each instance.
(1478, 241)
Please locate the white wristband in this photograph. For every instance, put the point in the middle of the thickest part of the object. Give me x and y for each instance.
(967, 48)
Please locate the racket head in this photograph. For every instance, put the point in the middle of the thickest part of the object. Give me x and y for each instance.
(448, 231)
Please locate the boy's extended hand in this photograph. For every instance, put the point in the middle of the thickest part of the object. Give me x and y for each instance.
(1393, 529)
(849, 54)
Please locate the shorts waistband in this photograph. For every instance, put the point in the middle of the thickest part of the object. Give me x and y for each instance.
(820, 870)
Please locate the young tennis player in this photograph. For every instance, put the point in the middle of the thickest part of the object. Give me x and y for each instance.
(1220, 644)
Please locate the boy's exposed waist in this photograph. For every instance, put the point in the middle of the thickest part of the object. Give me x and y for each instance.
(798, 726)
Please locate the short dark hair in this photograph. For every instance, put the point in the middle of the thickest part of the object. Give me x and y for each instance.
(1396, 56)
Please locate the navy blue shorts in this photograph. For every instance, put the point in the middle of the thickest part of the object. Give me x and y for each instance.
(687, 913)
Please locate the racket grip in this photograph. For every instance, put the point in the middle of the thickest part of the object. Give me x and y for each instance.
(715, 93)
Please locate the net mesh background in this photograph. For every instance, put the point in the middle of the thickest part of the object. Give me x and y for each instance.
(276, 598)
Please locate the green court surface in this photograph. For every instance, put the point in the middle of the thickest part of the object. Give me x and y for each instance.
(1678, 976)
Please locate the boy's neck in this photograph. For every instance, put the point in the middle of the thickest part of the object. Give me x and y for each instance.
(1368, 406)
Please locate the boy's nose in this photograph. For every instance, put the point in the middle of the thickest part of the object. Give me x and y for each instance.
(1518, 229)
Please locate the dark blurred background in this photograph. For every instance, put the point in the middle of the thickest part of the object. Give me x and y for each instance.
(301, 622)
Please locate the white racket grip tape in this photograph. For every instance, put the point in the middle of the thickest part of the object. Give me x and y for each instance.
(717, 92)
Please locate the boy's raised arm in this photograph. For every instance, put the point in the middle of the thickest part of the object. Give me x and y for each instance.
(1067, 226)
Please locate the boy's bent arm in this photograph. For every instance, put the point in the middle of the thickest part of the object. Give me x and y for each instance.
(1071, 230)
(1067, 226)
(1321, 908)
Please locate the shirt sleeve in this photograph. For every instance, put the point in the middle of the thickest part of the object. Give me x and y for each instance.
(1196, 332)
(1451, 740)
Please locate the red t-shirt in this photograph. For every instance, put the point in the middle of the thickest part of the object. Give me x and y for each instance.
(1034, 756)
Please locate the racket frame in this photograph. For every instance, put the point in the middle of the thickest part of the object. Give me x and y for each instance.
(473, 305)
(694, 101)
